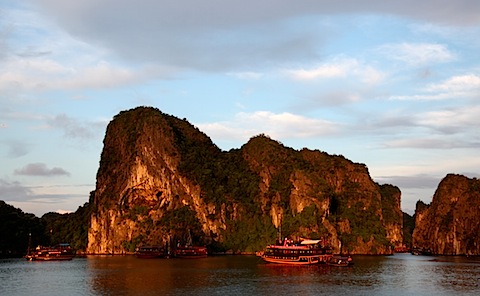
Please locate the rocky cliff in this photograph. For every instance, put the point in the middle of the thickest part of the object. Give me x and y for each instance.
(450, 224)
(161, 180)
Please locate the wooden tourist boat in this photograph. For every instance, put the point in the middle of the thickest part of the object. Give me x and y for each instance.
(306, 252)
(60, 252)
(187, 251)
(150, 252)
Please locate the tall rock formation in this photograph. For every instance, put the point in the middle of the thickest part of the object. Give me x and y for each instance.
(392, 214)
(161, 179)
(450, 225)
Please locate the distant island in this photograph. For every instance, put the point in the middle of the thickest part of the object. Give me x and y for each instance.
(450, 225)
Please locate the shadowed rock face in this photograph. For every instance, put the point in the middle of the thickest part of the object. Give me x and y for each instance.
(450, 224)
(161, 179)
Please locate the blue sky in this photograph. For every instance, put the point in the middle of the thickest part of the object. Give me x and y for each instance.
(391, 84)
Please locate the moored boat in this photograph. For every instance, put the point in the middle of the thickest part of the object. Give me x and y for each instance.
(150, 252)
(402, 249)
(306, 252)
(192, 252)
(421, 251)
(60, 252)
(340, 261)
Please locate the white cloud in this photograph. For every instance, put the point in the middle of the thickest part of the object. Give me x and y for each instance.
(456, 87)
(45, 74)
(40, 169)
(453, 120)
(431, 143)
(447, 128)
(322, 71)
(443, 129)
(417, 54)
(422, 97)
(41, 56)
(279, 126)
(101, 75)
(338, 68)
(465, 84)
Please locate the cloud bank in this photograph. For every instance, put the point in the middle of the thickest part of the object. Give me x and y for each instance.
(213, 35)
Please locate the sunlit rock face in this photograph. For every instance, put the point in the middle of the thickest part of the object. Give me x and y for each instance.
(161, 179)
(450, 225)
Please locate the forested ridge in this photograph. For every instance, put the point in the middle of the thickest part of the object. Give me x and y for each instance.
(19, 230)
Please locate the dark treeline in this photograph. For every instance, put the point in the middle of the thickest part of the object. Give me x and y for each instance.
(19, 230)
(408, 227)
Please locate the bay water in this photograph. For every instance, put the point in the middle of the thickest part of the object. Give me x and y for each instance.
(401, 274)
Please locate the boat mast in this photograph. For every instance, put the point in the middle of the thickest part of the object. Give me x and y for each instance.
(29, 242)
(189, 238)
(280, 239)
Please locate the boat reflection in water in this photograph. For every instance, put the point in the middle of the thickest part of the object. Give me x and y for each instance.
(306, 252)
(57, 253)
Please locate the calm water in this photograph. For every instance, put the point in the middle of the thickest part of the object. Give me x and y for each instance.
(402, 274)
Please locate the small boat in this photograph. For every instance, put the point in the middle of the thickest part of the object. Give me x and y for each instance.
(60, 252)
(150, 252)
(306, 252)
(188, 251)
(421, 251)
(402, 250)
(341, 261)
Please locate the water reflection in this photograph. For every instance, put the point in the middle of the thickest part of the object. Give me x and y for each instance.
(455, 273)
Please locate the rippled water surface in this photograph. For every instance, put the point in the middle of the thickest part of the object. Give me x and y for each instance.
(402, 274)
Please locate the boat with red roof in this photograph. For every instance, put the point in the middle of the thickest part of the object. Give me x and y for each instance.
(190, 252)
(305, 252)
(60, 252)
(149, 252)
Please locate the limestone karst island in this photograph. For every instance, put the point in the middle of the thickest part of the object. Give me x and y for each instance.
(161, 181)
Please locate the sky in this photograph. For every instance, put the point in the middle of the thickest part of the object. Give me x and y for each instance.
(391, 84)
